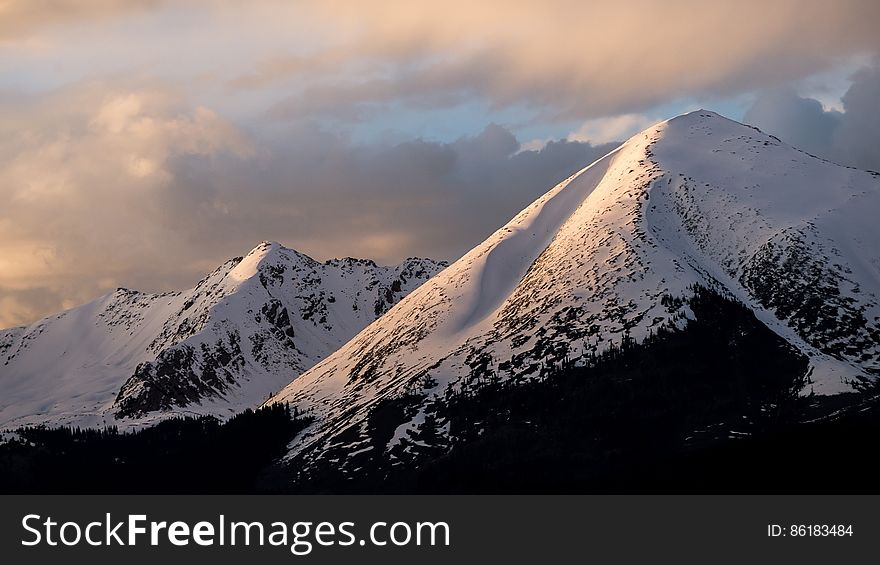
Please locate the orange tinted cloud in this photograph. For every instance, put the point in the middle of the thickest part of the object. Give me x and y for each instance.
(20, 18)
(104, 188)
(567, 59)
(113, 184)
(580, 59)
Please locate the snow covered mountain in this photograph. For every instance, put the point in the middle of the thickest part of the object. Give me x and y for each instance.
(239, 335)
(612, 254)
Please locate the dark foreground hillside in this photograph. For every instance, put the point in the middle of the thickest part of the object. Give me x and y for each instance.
(182, 455)
(720, 406)
(716, 407)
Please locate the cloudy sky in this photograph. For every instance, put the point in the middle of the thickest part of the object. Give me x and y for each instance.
(143, 142)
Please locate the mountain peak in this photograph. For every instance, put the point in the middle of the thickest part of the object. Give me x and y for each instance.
(267, 256)
(699, 115)
(698, 123)
(266, 249)
(613, 255)
(267, 244)
(243, 332)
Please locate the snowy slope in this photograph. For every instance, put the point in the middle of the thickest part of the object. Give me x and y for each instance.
(698, 199)
(241, 334)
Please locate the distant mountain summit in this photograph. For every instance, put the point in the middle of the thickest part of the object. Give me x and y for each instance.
(242, 333)
(621, 251)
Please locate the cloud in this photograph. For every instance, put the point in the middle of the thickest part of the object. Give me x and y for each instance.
(329, 197)
(80, 174)
(857, 139)
(132, 187)
(603, 130)
(114, 181)
(348, 59)
(19, 18)
(573, 60)
(850, 137)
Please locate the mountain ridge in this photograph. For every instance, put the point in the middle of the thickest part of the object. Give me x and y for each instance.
(244, 331)
(611, 254)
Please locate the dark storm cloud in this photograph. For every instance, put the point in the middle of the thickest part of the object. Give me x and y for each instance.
(851, 137)
(327, 197)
